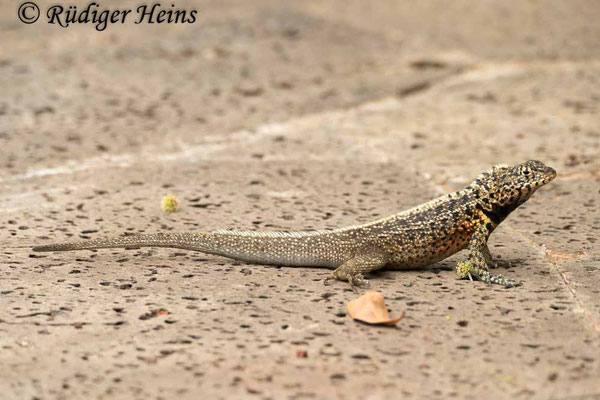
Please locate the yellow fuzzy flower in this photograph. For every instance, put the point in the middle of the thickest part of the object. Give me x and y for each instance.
(169, 203)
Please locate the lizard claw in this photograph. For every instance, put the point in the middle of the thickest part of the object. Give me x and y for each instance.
(358, 280)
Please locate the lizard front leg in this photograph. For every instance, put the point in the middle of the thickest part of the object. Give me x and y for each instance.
(355, 269)
(476, 265)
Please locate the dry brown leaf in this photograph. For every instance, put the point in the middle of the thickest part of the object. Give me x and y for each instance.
(370, 308)
(558, 257)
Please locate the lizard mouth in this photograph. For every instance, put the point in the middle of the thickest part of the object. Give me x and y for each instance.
(548, 175)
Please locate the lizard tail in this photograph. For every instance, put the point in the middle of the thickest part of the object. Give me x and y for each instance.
(174, 240)
(279, 248)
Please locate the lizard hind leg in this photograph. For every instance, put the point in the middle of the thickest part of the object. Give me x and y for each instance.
(354, 270)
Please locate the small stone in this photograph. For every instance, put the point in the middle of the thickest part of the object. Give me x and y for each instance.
(330, 351)
(249, 90)
(302, 354)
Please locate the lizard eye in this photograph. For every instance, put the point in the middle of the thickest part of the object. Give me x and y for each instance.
(525, 171)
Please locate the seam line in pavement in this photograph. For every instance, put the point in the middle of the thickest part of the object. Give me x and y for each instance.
(595, 324)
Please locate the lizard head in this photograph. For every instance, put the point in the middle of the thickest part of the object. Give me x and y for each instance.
(503, 188)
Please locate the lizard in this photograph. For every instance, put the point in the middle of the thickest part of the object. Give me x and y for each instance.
(417, 237)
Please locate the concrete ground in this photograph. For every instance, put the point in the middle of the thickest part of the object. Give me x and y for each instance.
(266, 115)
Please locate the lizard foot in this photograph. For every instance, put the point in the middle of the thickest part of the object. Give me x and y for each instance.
(355, 280)
(353, 269)
(358, 280)
(466, 270)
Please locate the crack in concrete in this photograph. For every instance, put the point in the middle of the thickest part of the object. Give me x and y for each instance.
(594, 322)
(456, 75)
(214, 143)
(483, 72)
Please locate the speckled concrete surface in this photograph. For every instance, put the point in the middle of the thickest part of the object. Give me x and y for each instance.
(272, 116)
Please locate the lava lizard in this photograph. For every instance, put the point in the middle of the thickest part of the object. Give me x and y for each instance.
(417, 237)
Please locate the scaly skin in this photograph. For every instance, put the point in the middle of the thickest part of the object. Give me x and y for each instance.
(414, 238)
